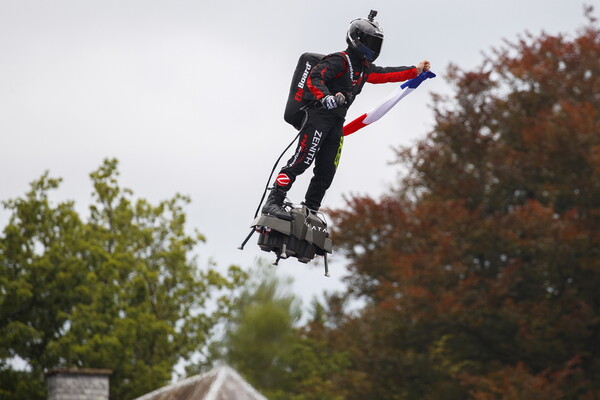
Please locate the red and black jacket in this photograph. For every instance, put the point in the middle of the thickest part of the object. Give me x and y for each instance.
(332, 75)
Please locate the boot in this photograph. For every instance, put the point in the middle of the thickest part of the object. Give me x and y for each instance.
(274, 205)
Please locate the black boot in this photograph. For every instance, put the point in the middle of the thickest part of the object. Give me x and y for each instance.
(274, 205)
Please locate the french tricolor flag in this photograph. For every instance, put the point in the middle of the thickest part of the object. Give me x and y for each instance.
(401, 92)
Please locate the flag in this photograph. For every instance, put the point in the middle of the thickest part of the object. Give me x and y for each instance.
(401, 92)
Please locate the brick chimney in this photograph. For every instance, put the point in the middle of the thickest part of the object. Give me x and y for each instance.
(78, 384)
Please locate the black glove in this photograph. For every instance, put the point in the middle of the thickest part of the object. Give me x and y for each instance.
(330, 102)
(349, 96)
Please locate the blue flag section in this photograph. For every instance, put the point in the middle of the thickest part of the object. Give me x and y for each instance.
(415, 82)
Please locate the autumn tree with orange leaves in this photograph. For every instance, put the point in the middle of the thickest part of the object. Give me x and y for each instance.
(481, 267)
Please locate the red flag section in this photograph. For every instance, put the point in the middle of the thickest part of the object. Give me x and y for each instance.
(355, 125)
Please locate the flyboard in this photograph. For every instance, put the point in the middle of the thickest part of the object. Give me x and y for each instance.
(304, 237)
(307, 235)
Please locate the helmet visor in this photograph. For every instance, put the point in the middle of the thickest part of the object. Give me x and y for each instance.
(373, 43)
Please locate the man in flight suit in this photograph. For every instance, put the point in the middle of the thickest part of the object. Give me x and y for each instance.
(334, 83)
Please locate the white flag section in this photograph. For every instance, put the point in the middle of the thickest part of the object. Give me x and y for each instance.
(401, 92)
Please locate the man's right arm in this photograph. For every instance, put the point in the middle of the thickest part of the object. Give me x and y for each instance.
(329, 68)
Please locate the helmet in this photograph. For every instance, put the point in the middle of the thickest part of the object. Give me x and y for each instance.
(366, 37)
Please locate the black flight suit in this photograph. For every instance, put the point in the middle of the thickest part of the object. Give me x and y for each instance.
(321, 136)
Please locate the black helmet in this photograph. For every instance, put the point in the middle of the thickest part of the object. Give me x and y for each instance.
(366, 37)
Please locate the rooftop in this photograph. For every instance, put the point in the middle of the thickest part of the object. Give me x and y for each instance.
(221, 383)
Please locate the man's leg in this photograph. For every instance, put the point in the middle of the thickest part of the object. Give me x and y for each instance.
(312, 135)
(325, 166)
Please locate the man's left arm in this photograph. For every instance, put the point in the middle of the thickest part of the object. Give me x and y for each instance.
(396, 74)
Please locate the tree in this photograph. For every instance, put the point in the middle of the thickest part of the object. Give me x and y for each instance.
(264, 344)
(481, 267)
(261, 332)
(120, 291)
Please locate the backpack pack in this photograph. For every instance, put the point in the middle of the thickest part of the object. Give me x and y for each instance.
(299, 96)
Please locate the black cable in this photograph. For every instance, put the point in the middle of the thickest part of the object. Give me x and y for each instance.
(271, 175)
(277, 162)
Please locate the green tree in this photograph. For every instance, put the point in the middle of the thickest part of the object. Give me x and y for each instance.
(481, 268)
(120, 291)
(262, 341)
(260, 333)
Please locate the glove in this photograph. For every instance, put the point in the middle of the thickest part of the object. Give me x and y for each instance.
(349, 96)
(330, 102)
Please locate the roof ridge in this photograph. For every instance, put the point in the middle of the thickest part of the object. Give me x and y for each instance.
(219, 376)
(216, 383)
(247, 386)
(177, 384)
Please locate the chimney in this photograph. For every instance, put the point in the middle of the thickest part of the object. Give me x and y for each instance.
(78, 384)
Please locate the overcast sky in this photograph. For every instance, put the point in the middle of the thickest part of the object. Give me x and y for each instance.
(189, 96)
